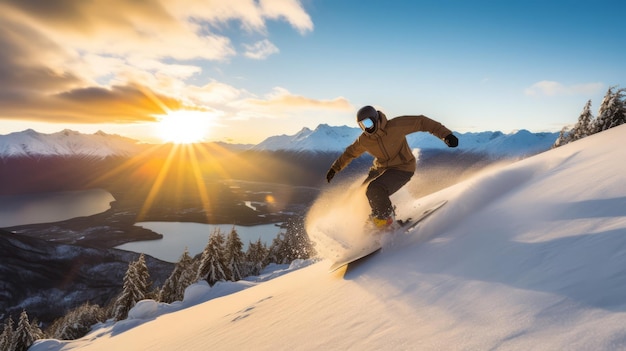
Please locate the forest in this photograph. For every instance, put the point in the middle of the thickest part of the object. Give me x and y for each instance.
(611, 113)
(222, 259)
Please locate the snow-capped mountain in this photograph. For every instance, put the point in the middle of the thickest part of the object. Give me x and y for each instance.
(324, 138)
(335, 139)
(66, 143)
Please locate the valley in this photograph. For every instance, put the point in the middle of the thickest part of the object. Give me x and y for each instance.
(205, 183)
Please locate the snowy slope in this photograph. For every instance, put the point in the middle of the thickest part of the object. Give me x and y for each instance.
(66, 143)
(336, 139)
(526, 256)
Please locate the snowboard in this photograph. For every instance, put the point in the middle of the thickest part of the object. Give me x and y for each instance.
(405, 226)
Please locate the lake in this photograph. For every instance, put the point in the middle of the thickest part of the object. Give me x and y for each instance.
(194, 236)
(52, 207)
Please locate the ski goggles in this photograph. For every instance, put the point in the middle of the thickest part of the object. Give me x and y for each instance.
(367, 124)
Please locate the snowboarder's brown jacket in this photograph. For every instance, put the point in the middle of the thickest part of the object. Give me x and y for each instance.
(388, 144)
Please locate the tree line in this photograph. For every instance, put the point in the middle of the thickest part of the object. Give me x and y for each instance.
(222, 259)
(612, 113)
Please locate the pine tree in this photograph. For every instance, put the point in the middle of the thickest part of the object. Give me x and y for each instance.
(143, 275)
(565, 137)
(277, 250)
(77, 322)
(235, 257)
(612, 111)
(583, 127)
(135, 288)
(37, 332)
(298, 244)
(6, 338)
(291, 245)
(212, 263)
(255, 257)
(174, 287)
(25, 334)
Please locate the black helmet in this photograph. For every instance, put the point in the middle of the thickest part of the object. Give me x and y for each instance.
(368, 119)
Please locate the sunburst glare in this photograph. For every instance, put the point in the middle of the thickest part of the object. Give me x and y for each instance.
(184, 126)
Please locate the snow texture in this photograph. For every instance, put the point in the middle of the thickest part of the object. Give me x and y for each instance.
(528, 256)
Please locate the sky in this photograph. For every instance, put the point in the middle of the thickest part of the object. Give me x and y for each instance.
(243, 70)
(526, 256)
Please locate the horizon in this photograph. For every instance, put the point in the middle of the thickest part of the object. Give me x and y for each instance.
(163, 142)
(240, 72)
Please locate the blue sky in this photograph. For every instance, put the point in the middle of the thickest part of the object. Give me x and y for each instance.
(255, 69)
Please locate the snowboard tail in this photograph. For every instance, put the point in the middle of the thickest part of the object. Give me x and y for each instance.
(405, 226)
(362, 254)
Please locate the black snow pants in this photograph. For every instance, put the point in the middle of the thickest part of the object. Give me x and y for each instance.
(381, 187)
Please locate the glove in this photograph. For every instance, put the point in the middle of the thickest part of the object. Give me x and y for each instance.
(451, 140)
(330, 174)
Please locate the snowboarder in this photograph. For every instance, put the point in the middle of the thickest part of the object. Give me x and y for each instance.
(394, 163)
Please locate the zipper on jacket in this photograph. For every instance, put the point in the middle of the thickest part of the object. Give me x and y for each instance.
(381, 145)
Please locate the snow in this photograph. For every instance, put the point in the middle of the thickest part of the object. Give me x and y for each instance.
(531, 255)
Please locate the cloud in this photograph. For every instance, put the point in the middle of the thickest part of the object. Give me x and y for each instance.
(213, 93)
(124, 60)
(118, 104)
(260, 50)
(291, 11)
(551, 88)
(282, 98)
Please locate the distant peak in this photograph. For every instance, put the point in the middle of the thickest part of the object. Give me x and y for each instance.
(68, 132)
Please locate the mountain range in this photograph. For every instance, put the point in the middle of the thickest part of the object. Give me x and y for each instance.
(335, 139)
(324, 138)
(66, 143)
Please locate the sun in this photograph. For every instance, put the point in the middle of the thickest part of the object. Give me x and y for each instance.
(184, 126)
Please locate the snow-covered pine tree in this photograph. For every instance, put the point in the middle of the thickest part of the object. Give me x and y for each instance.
(255, 257)
(291, 245)
(583, 127)
(277, 252)
(77, 322)
(235, 257)
(212, 262)
(174, 287)
(564, 137)
(6, 338)
(189, 273)
(297, 241)
(37, 332)
(25, 334)
(612, 111)
(143, 275)
(135, 288)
